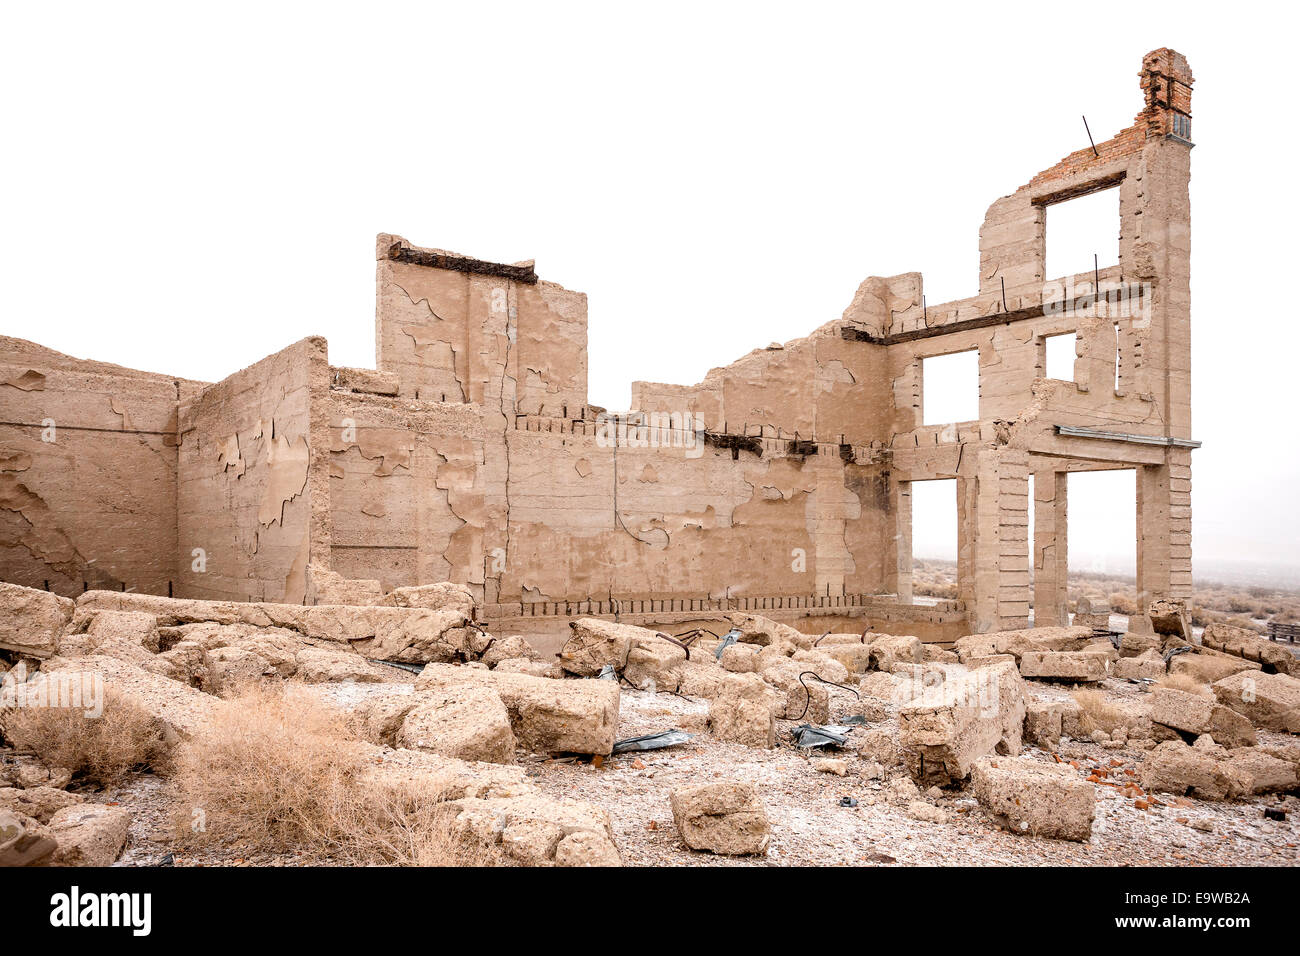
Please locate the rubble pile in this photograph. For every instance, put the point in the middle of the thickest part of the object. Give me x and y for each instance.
(1013, 728)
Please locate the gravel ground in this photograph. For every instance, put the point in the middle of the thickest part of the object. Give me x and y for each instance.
(809, 824)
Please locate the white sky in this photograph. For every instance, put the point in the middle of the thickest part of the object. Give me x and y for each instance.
(187, 189)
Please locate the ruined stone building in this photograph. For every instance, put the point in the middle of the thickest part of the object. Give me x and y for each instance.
(781, 482)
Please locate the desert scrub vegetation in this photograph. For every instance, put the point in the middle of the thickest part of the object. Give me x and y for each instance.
(1097, 713)
(1245, 607)
(101, 749)
(276, 772)
(1186, 683)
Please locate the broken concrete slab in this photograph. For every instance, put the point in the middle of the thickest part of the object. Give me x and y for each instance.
(726, 818)
(1208, 668)
(89, 834)
(318, 665)
(1169, 617)
(1139, 668)
(964, 718)
(1017, 642)
(595, 643)
(1200, 714)
(744, 709)
(468, 722)
(1174, 767)
(434, 597)
(1270, 701)
(31, 620)
(568, 716)
(537, 831)
(1250, 646)
(181, 708)
(1075, 666)
(1026, 796)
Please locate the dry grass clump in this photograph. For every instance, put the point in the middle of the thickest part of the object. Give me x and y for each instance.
(101, 749)
(1097, 713)
(1186, 683)
(277, 772)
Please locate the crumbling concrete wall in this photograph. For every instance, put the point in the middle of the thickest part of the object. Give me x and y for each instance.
(406, 491)
(87, 472)
(470, 453)
(252, 493)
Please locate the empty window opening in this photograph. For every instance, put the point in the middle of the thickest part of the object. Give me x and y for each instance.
(1060, 355)
(934, 540)
(950, 388)
(1102, 535)
(1078, 229)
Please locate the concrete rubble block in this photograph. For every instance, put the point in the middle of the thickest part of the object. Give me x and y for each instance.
(1026, 796)
(744, 710)
(39, 803)
(1076, 666)
(181, 708)
(526, 665)
(1169, 617)
(954, 724)
(934, 654)
(1200, 714)
(434, 597)
(1139, 668)
(538, 831)
(329, 587)
(467, 722)
(505, 648)
(756, 629)
(28, 772)
(655, 662)
(230, 669)
(809, 704)
(891, 649)
(740, 658)
(89, 834)
(1208, 668)
(320, 665)
(1263, 772)
(186, 662)
(379, 719)
(726, 818)
(1175, 767)
(1043, 722)
(854, 658)
(547, 716)
(1269, 701)
(31, 620)
(405, 635)
(1102, 648)
(1252, 647)
(701, 676)
(1135, 645)
(595, 643)
(23, 841)
(275, 645)
(1017, 642)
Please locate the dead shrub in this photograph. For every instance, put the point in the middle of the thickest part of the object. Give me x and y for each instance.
(1097, 713)
(1186, 683)
(1123, 603)
(100, 750)
(278, 772)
